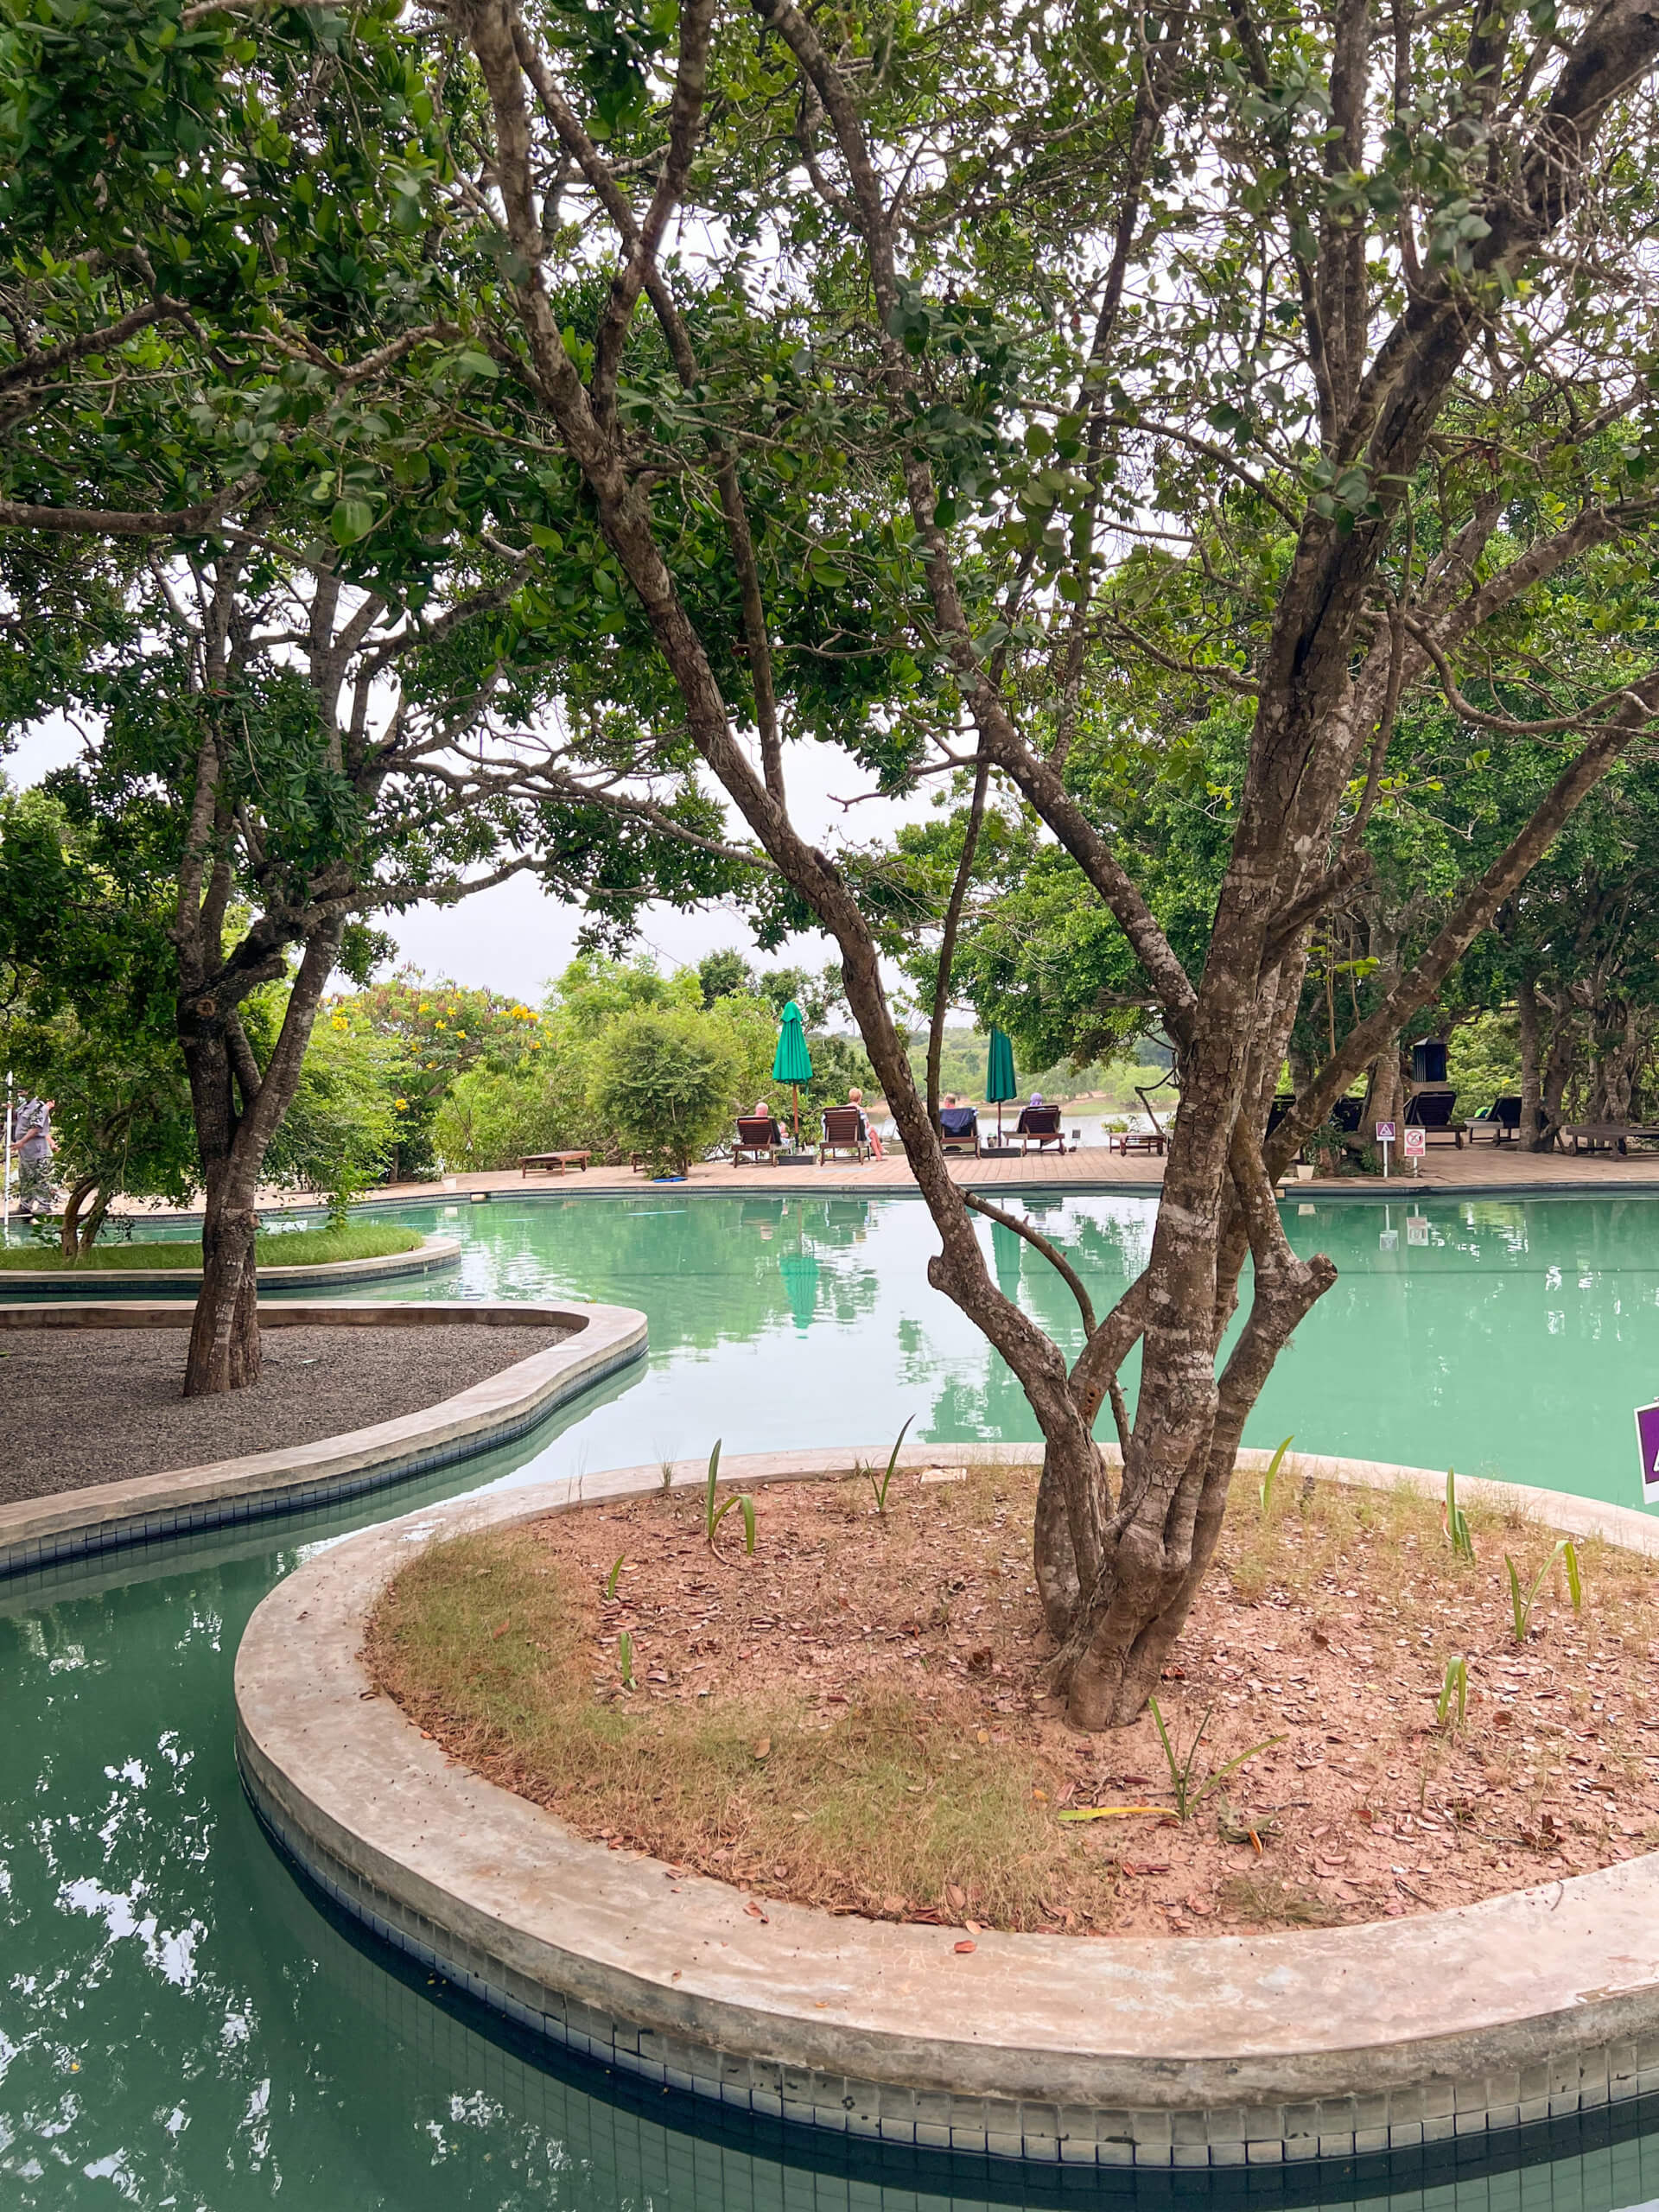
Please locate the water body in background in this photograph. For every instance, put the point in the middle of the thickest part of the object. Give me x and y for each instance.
(182, 2025)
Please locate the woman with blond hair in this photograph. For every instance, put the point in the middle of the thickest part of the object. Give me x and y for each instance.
(855, 1097)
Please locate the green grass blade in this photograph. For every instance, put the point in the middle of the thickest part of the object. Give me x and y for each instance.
(1222, 1772)
(893, 1461)
(1574, 1584)
(1265, 1491)
(748, 1505)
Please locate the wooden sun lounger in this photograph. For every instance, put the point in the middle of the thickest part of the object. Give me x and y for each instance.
(1039, 1126)
(843, 1132)
(964, 1140)
(554, 1162)
(756, 1139)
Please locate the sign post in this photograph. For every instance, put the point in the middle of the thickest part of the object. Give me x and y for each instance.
(1647, 1438)
(1415, 1146)
(1385, 1137)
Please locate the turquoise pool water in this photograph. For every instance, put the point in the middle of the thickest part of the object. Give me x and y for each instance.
(182, 2025)
(1502, 1338)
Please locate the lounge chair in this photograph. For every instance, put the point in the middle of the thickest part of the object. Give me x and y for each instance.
(1431, 1111)
(1503, 1118)
(844, 1131)
(555, 1162)
(759, 1137)
(959, 1129)
(1039, 1126)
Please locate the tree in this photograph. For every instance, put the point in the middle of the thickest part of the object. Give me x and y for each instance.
(441, 1031)
(86, 1020)
(263, 569)
(1300, 364)
(664, 1082)
(1307, 295)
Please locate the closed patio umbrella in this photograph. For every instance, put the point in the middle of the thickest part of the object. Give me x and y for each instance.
(791, 1063)
(1000, 1082)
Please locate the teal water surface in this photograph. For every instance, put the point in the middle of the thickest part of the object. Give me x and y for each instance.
(181, 2025)
(1503, 1337)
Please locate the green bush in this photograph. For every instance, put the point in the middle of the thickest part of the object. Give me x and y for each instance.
(666, 1083)
(491, 1117)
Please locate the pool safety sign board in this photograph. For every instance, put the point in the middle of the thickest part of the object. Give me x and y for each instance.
(1385, 1137)
(1647, 1438)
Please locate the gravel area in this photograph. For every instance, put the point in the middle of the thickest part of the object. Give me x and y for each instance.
(84, 1406)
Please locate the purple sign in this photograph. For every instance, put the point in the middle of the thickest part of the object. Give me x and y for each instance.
(1647, 1438)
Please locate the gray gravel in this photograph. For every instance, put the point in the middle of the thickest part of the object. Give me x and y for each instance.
(80, 1406)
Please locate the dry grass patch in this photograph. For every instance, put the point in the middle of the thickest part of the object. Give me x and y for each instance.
(858, 1716)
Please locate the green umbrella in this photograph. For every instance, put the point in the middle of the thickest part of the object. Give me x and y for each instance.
(999, 1079)
(791, 1063)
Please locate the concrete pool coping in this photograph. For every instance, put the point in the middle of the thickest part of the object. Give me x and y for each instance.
(1397, 1190)
(1167, 2052)
(427, 1257)
(39, 1532)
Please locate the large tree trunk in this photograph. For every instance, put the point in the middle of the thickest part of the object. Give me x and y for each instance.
(225, 1334)
(224, 1351)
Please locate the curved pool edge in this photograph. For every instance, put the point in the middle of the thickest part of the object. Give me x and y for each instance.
(43, 1532)
(430, 1257)
(1222, 2050)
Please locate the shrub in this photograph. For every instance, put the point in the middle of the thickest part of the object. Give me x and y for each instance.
(666, 1085)
(491, 1117)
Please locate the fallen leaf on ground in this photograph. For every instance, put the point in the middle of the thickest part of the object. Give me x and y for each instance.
(1110, 1812)
(762, 1747)
(967, 1946)
(754, 1910)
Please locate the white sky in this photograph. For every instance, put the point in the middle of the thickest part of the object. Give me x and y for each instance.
(515, 938)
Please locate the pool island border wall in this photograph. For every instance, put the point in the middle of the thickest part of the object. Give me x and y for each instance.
(431, 1257)
(1376, 2040)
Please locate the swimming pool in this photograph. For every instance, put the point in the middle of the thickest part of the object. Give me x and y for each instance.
(1504, 1337)
(182, 2024)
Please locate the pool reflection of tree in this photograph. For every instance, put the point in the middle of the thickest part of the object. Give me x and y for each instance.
(1108, 1250)
(704, 1271)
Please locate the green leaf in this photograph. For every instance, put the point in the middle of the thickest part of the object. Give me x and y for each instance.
(351, 519)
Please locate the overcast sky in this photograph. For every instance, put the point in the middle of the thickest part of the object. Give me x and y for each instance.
(514, 937)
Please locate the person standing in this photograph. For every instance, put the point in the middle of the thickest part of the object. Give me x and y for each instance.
(33, 1129)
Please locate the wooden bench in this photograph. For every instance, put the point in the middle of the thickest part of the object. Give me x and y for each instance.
(555, 1162)
(1609, 1136)
(1128, 1140)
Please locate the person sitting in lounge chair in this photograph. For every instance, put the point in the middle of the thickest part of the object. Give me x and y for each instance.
(958, 1124)
(759, 1136)
(855, 1097)
(1039, 1124)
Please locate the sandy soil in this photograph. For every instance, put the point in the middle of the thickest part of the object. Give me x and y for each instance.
(1326, 1625)
(86, 1406)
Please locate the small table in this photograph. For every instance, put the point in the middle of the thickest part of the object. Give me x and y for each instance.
(1128, 1140)
(555, 1162)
